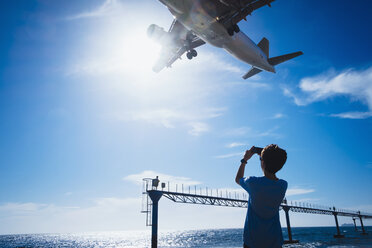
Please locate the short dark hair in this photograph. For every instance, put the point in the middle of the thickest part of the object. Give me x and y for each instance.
(274, 158)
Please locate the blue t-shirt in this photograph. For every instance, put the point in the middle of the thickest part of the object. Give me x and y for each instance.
(262, 226)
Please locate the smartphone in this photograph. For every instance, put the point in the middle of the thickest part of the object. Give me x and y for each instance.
(257, 150)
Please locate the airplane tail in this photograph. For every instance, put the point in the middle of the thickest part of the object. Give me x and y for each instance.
(253, 71)
(280, 59)
(264, 46)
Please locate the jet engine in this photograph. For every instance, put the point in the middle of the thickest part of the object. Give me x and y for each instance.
(157, 33)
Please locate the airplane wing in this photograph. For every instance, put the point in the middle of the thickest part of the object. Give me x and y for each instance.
(181, 41)
(231, 12)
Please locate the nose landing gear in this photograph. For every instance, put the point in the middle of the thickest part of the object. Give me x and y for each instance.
(191, 54)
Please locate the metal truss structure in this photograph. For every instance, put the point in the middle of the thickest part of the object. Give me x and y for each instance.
(205, 200)
(232, 202)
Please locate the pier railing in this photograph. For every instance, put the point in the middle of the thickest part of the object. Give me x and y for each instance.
(153, 191)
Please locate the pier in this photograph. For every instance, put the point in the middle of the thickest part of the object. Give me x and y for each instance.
(151, 196)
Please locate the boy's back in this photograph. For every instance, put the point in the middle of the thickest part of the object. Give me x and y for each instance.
(262, 226)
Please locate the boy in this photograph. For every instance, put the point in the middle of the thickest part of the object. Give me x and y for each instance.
(262, 226)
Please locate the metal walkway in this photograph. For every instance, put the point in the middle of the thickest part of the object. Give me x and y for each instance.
(151, 196)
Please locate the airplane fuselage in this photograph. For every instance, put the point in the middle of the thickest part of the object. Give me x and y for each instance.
(198, 18)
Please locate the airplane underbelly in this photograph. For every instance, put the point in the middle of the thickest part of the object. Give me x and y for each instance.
(206, 27)
(213, 35)
(209, 31)
(202, 24)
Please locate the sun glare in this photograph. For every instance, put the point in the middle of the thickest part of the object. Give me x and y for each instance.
(139, 53)
(124, 56)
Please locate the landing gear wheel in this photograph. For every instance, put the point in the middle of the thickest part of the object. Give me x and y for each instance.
(236, 28)
(230, 31)
(189, 55)
(233, 29)
(194, 53)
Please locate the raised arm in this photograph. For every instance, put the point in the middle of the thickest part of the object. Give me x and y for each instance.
(240, 174)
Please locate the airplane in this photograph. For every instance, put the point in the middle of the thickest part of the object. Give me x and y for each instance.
(215, 22)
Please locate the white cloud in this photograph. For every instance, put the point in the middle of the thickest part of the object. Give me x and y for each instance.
(353, 115)
(137, 178)
(102, 214)
(298, 101)
(249, 132)
(298, 191)
(235, 144)
(354, 83)
(230, 155)
(270, 132)
(357, 85)
(240, 131)
(166, 116)
(278, 116)
(209, 60)
(252, 85)
(107, 7)
(22, 208)
(194, 119)
(198, 128)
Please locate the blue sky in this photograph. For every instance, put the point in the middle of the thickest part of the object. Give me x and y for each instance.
(83, 117)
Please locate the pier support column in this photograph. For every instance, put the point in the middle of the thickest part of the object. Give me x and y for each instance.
(290, 240)
(361, 223)
(338, 235)
(155, 197)
(355, 226)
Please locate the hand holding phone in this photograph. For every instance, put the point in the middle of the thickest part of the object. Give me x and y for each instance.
(257, 150)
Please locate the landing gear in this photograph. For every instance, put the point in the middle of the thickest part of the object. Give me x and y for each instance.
(236, 28)
(233, 29)
(192, 53)
(189, 55)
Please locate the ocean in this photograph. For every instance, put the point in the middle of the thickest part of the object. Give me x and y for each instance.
(227, 238)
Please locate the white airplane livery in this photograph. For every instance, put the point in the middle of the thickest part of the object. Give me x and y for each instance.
(197, 22)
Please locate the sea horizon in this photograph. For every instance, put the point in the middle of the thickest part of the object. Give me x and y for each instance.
(174, 230)
(201, 238)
